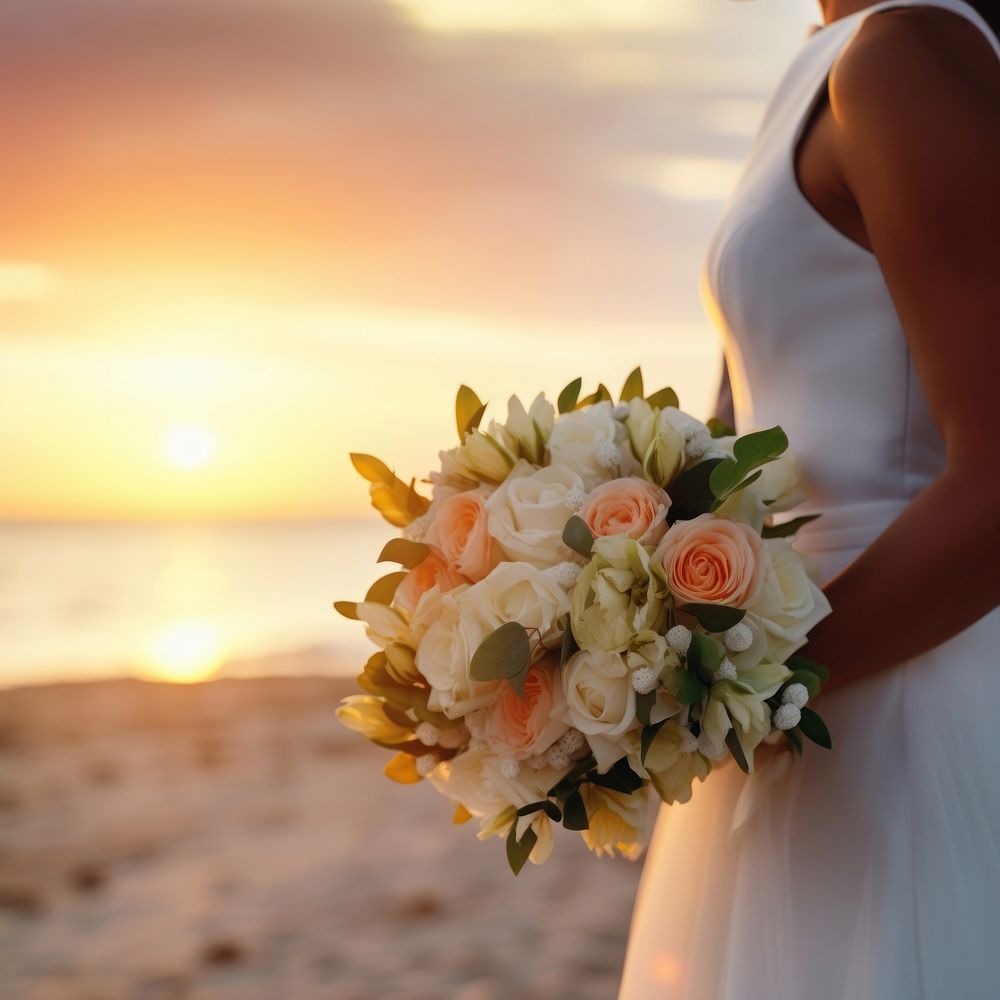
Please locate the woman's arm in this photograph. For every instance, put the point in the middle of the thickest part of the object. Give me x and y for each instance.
(916, 101)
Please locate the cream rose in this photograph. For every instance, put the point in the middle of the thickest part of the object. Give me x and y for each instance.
(460, 532)
(629, 506)
(789, 604)
(519, 726)
(434, 571)
(600, 701)
(709, 560)
(619, 595)
(579, 437)
(527, 514)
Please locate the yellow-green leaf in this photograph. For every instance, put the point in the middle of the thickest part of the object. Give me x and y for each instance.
(632, 388)
(349, 609)
(469, 411)
(567, 400)
(405, 552)
(383, 589)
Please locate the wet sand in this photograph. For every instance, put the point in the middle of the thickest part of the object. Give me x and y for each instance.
(231, 840)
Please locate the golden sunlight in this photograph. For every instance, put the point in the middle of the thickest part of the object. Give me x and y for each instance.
(184, 652)
(189, 446)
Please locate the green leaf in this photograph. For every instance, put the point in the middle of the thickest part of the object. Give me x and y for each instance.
(808, 678)
(620, 778)
(469, 411)
(663, 398)
(569, 646)
(549, 808)
(688, 687)
(704, 654)
(632, 388)
(805, 663)
(646, 740)
(814, 728)
(749, 453)
(383, 589)
(736, 749)
(566, 402)
(644, 705)
(404, 552)
(714, 617)
(794, 739)
(719, 428)
(567, 784)
(690, 492)
(349, 609)
(518, 850)
(575, 812)
(788, 528)
(504, 653)
(577, 536)
(599, 396)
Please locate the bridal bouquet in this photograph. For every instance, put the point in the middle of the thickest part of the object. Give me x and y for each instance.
(593, 605)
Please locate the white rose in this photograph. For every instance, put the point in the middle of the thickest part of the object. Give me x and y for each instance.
(443, 656)
(600, 701)
(531, 429)
(527, 513)
(578, 437)
(790, 604)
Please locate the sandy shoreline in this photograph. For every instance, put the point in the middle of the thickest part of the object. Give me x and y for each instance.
(231, 839)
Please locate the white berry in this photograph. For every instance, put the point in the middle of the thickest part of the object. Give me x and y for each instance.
(795, 694)
(572, 741)
(426, 763)
(566, 574)
(428, 734)
(509, 768)
(621, 411)
(644, 680)
(607, 456)
(707, 748)
(575, 498)
(738, 638)
(787, 717)
(557, 757)
(726, 671)
(679, 639)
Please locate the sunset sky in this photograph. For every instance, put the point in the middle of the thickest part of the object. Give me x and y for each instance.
(239, 238)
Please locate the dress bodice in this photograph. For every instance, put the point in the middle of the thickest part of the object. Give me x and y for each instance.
(812, 339)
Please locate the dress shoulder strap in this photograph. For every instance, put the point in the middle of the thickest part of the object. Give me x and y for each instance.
(959, 7)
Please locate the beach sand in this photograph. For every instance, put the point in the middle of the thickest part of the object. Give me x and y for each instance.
(232, 840)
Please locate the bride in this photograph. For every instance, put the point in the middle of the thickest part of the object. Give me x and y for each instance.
(856, 280)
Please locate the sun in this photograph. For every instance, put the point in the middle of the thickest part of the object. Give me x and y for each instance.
(189, 446)
(184, 652)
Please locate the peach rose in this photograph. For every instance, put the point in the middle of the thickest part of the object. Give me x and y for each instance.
(712, 560)
(459, 532)
(629, 506)
(524, 726)
(433, 571)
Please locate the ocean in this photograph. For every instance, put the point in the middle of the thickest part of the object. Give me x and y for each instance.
(182, 601)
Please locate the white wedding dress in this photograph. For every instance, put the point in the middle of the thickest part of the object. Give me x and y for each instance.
(872, 871)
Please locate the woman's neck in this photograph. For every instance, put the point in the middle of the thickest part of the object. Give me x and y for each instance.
(834, 10)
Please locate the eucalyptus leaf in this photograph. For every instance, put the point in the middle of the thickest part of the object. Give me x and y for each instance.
(569, 781)
(736, 749)
(620, 777)
(405, 552)
(518, 850)
(469, 411)
(688, 687)
(599, 396)
(749, 453)
(714, 617)
(663, 398)
(814, 728)
(648, 735)
(577, 536)
(719, 428)
(575, 812)
(349, 609)
(504, 653)
(787, 528)
(704, 654)
(383, 589)
(644, 705)
(805, 663)
(794, 739)
(633, 387)
(567, 400)
(549, 808)
(690, 492)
